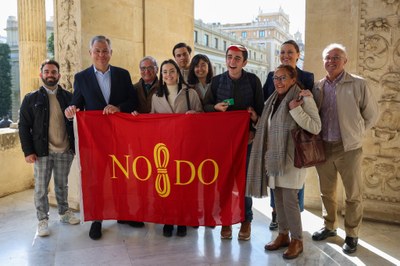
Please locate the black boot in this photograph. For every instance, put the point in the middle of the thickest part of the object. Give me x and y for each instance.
(167, 230)
(181, 230)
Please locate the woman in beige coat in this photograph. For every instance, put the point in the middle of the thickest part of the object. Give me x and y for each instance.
(271, 160)
(172, 97)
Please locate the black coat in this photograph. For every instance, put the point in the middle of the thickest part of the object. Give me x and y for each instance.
(34, 121)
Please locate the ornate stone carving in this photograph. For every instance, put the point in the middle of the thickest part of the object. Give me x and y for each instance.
(390, 85)
(379, 24)
(376, 46)
(67, 44)
(380, 64)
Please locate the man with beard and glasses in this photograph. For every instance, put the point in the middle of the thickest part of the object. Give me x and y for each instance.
(47, 141)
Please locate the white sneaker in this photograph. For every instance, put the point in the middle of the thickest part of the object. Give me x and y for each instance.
(69, 218)
(43, 228)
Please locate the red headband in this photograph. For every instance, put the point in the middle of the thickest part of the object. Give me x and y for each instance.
(237, 47)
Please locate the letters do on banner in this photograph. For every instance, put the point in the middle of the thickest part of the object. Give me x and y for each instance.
(162, 183)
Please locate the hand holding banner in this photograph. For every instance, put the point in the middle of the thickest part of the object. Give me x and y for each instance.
(163, 168)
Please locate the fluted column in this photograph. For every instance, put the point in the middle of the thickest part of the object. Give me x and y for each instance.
(32, 42)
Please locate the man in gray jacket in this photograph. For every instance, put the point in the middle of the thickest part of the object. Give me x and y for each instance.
(347, 109)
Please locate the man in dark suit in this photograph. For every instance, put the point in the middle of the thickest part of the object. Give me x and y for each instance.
(102, 87)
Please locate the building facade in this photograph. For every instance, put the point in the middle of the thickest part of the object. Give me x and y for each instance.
(269, 30)
(211, 41)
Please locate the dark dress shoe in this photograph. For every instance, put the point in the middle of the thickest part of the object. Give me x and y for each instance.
(131, 223)
(181, 231)
(350, 245)
(95, 231)
(280, 241)
(323, 234)
(167, 230)
(135, 224)
(294, 249)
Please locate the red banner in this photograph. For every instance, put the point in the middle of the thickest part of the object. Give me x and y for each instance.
(163, 168)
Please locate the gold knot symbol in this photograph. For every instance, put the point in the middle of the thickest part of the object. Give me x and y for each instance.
(161, 159)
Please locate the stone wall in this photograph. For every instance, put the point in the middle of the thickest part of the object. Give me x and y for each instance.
(370, 30)
(16, 175)
(136, 29)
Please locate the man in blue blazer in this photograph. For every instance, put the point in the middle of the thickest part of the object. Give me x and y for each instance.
(103, 87)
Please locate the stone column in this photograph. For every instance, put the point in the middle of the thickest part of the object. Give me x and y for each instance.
(32, 42)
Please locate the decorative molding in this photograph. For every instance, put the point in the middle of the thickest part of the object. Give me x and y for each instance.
(67, 40)
(379, 63)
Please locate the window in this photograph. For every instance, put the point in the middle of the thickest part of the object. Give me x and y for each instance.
(224, 45)
(244, 34)
(205, 40)
(195, 36)
(261, 33)
(216, 43)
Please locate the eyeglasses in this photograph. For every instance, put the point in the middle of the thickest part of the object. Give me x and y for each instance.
(281, 78)
(149, 68)
(332, 59)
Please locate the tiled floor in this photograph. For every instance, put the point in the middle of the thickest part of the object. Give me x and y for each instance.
(123, 245)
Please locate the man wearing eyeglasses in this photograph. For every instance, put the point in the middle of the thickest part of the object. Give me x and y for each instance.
(237, 89)
(147, 85)
(347, 110)
(102, 87)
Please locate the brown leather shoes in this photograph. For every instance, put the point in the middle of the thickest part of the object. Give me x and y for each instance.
(281, 241)
(294, 249)
(226, 232)
(245, 231)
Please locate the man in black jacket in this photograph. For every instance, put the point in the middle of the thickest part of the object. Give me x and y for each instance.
(47, 140)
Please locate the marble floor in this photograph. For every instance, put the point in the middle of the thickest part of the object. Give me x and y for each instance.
(124, 245)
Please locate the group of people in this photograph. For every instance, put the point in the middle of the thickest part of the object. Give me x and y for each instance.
(340, 106)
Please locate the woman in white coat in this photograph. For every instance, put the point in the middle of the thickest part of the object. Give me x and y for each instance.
(271, 160)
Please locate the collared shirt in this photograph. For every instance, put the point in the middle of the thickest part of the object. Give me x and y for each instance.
(104, 80)
(329, 114)
(50, 91)
(147, 86)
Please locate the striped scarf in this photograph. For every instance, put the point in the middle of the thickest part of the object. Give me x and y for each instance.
(268, 154)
